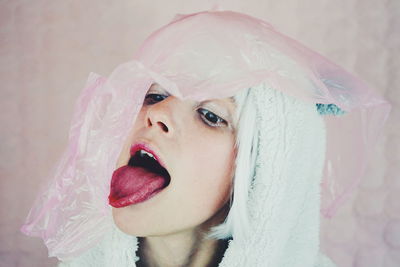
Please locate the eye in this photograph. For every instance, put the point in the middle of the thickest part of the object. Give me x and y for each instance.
(154, 98)
(210, 118)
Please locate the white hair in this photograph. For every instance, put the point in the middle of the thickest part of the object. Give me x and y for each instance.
(237, 220)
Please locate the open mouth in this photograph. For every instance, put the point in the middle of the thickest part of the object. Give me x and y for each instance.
(146, 160)
(142, 178)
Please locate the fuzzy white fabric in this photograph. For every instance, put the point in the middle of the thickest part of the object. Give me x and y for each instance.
(284, 199)
(284, 196)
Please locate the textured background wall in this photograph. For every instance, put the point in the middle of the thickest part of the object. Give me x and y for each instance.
(48, 48)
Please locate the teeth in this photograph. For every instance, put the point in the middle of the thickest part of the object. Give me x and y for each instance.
(142, 153)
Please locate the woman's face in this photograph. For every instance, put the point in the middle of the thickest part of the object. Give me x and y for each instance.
(196, 143)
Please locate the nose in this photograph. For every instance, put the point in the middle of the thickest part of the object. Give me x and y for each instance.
(159, 116)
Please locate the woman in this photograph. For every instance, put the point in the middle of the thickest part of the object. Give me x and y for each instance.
(210, 147)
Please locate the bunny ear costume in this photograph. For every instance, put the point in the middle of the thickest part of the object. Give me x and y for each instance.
(299, 147)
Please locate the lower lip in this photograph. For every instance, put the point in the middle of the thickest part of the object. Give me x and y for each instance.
(133, 199)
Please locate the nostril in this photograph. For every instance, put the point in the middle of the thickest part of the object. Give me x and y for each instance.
(163, 126)
(160, 124)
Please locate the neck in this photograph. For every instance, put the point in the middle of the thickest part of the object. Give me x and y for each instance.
(188, 248)
(180, 249)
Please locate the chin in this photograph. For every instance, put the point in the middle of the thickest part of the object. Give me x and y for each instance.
(128, 225)
(136, 225)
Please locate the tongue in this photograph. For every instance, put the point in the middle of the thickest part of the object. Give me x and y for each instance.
(130, 185)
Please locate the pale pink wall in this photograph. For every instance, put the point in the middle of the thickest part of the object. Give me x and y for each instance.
(48, 48)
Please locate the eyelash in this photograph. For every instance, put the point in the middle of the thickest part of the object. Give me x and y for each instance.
(150, 99)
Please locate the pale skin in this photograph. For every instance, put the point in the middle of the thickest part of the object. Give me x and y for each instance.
(196, 142)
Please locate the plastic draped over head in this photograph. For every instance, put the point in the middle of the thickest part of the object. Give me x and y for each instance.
(213, 54)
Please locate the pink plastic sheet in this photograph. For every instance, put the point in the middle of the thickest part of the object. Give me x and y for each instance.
(211, 54)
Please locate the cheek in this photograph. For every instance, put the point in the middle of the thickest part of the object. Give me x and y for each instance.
(208, 169)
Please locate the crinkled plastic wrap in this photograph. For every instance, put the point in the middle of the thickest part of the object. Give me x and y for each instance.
(211, 54)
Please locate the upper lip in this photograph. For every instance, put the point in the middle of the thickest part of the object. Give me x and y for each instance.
(148, 148)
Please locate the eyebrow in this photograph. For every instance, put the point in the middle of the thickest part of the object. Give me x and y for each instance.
(231, 100)
(157, 86)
